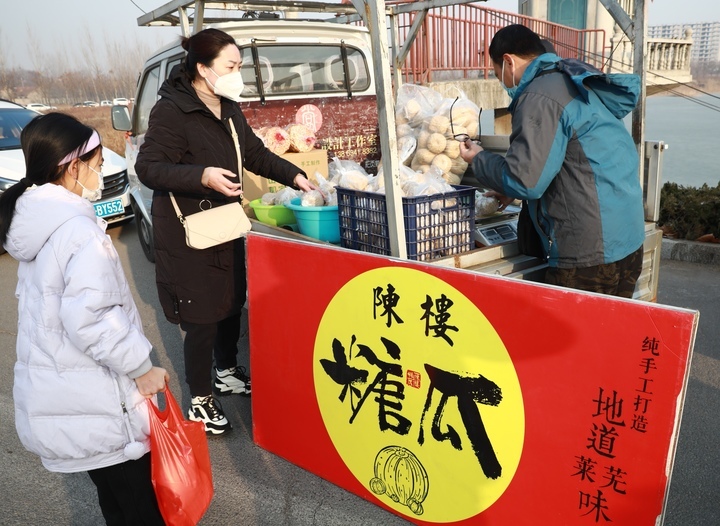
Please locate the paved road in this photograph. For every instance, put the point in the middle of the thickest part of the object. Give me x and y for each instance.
(254, 487)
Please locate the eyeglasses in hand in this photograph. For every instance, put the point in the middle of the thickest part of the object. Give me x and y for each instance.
(462, 137)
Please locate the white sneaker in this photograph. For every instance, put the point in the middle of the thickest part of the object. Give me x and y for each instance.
(207, 410)
(231, 381)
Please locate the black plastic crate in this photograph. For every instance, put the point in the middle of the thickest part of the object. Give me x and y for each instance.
(436, 225)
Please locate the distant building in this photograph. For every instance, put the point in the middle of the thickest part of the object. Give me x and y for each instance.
(668, 58)
(705, 37)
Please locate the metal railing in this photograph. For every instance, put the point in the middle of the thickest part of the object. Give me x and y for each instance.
(667, 60)
(664, 54)
(453, 42)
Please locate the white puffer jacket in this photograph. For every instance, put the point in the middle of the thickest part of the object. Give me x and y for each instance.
(80, 340)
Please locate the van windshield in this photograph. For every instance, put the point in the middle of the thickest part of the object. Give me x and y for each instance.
(298, 69)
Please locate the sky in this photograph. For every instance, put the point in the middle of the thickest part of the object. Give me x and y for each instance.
(55, 24)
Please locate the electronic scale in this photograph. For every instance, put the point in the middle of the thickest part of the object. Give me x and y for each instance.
(497, 228)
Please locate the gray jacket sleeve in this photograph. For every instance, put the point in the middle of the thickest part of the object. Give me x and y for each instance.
(537, 150)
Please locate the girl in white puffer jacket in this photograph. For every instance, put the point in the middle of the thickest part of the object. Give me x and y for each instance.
(83, 369)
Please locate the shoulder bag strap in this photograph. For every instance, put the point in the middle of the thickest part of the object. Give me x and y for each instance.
(237, 151)
(177, 209)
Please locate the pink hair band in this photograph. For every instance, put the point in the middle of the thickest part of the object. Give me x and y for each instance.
(93, 142)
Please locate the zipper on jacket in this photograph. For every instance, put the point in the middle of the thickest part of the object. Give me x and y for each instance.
(126, 419)
(536, 220)
(125, 414)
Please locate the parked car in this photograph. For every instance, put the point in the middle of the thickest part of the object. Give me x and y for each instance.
(106, 103)
(90, 103)
(37, 106)
(122, 101)
(114, 206)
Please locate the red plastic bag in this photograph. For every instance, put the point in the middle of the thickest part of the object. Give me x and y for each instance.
(180, 464)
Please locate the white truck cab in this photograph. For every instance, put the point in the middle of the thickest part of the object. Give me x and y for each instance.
(315, 73)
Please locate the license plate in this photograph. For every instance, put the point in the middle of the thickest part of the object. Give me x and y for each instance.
(109, 208)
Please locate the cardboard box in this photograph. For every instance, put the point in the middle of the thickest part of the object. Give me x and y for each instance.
(254, 186)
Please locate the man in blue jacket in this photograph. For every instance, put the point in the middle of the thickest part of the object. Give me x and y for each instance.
(572, 159)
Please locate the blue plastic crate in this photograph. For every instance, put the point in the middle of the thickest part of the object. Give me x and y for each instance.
(436, 225)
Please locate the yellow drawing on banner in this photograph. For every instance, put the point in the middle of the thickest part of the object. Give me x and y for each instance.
(418, 394)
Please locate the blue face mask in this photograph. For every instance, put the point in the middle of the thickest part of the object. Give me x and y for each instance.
(510, 91)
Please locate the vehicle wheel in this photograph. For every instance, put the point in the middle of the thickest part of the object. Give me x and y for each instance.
(145, 234)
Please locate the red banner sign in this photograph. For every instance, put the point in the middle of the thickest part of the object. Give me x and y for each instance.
(452, 397)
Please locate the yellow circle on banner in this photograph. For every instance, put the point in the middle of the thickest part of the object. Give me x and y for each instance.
(418, 394)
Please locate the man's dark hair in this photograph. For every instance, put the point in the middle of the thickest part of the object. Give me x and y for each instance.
(517, 40)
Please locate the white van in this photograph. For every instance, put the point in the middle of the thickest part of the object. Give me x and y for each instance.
(315, 73)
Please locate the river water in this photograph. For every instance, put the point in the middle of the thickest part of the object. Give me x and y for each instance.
(689, 129)
(692, 132)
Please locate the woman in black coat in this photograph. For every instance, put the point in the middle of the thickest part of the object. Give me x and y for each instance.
(189, 151)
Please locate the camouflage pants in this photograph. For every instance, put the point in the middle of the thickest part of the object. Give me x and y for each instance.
(616, 279)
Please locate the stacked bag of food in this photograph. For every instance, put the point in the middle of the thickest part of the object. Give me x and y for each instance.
(425, 117)
(291, 138)
(441, 215)
(350, 175)
(324, 196)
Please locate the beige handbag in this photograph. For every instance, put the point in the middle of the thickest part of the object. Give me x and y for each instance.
(218, 225)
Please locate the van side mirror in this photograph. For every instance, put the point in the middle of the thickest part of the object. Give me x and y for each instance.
(120, 116)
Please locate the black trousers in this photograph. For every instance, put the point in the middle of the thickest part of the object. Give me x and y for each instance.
(126, 494)
(201, 342)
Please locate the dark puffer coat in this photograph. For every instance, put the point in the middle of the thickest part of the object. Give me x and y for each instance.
(184, 137)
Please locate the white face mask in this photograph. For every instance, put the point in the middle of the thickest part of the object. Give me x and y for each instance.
(510, 90)
(93, 195)
(229, 86)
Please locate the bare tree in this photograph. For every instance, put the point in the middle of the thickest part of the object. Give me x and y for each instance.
(91, 60)
(64, 73)
(117, 61)
(70, 78)
(125, 60)
(59, 64)
(7, 83)
(38, 58)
